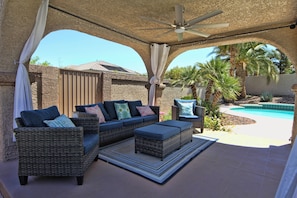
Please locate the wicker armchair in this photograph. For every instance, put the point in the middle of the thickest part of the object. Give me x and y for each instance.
(197, 119)
(50, 151)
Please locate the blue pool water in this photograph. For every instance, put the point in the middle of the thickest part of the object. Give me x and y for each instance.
(274, 113)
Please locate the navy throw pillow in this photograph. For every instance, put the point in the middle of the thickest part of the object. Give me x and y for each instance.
(109, 106)
(35, 118)
(132, 107)
(106, 115)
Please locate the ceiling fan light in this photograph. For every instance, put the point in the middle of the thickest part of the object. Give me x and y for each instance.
(179, 30)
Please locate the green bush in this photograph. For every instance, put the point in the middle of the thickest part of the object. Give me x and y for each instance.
(210, 110)
(266, 97)
(212, 123)
(167, 116)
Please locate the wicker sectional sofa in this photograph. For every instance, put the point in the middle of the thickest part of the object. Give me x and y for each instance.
(55, 150)
(115, 129)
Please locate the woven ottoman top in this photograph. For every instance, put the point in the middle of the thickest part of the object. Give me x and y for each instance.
(157, 132)
(182, 125)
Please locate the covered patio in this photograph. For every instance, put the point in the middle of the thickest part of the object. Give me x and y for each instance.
(250, 170)
(222, 170)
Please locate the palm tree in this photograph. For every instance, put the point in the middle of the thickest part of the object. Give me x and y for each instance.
(189, 78)
(281, 61)
(209, 71)
(225, 86)
(219, 82)
(248, 58)
(253, 57)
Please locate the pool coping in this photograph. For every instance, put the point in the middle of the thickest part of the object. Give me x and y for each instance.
(269, 105)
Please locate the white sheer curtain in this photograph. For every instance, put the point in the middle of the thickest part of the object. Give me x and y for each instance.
(288, 185)
(22, 93)
(159, 55)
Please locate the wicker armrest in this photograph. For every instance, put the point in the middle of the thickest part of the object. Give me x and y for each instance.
(199, 111)
(89, 124)
(78, 114)
(156, 110)
(49, 140)
(174, 112)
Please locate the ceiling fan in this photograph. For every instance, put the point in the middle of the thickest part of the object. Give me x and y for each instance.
(180, 25)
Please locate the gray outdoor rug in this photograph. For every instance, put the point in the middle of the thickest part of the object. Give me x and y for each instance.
(122, 154)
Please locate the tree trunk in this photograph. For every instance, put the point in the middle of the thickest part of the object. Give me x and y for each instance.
(208, 90)
(241, 73)
(216, 97)
(194, 91)
(232, 60)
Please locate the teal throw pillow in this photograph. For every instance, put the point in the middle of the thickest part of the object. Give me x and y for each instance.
(122, 110)
(61, 121)
(185, 108)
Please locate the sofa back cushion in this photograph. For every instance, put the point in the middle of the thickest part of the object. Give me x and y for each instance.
(35, 118)
(133, 105)
(109, 106)
(81, 108)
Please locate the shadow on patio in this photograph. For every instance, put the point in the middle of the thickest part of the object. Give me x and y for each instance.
(222, 170)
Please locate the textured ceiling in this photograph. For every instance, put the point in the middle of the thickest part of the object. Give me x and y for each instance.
(126, 16)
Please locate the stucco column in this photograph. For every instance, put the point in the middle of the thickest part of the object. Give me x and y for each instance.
(158, 94)
(294, 128)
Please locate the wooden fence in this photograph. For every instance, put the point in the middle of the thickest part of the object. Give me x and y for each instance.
(76, 88)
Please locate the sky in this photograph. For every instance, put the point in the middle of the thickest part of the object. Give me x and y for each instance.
(67, 47)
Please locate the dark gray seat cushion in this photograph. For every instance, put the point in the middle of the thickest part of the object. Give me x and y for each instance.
(90, 140)
(110, 125)
(182, 125)
(188, 119)
(157, 132)
(133, 120)
(150, 118)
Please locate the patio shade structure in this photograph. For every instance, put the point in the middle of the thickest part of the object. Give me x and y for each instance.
(23, 94)
(159, 55)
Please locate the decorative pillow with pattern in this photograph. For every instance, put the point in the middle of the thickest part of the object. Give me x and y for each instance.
(185, 108)
(61, 121)
(96, 110)
(145, 110)
(122, 110)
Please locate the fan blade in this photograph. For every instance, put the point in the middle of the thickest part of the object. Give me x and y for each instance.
(179, 36)
(214, 25)
(162, 34)
(156, 21)
(165, 28)
(197, 33)
(201, 18)
(179, 20)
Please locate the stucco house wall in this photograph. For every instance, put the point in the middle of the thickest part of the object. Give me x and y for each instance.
(256, 85)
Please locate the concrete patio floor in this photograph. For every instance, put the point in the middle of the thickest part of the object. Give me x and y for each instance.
(240, 164)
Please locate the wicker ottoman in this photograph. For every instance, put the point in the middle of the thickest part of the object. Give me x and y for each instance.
(161, 139)
(186, 129)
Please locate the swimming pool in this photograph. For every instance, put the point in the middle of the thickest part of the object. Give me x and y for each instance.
(269, 110)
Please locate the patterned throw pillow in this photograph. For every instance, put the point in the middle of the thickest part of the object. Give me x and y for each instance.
(185, 108)
(96, 110)
(145, 110)
(61, 121)
(122, 110)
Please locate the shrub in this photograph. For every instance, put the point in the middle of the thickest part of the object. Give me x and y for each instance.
(167, 116)
(266, 97)
(212, 123)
